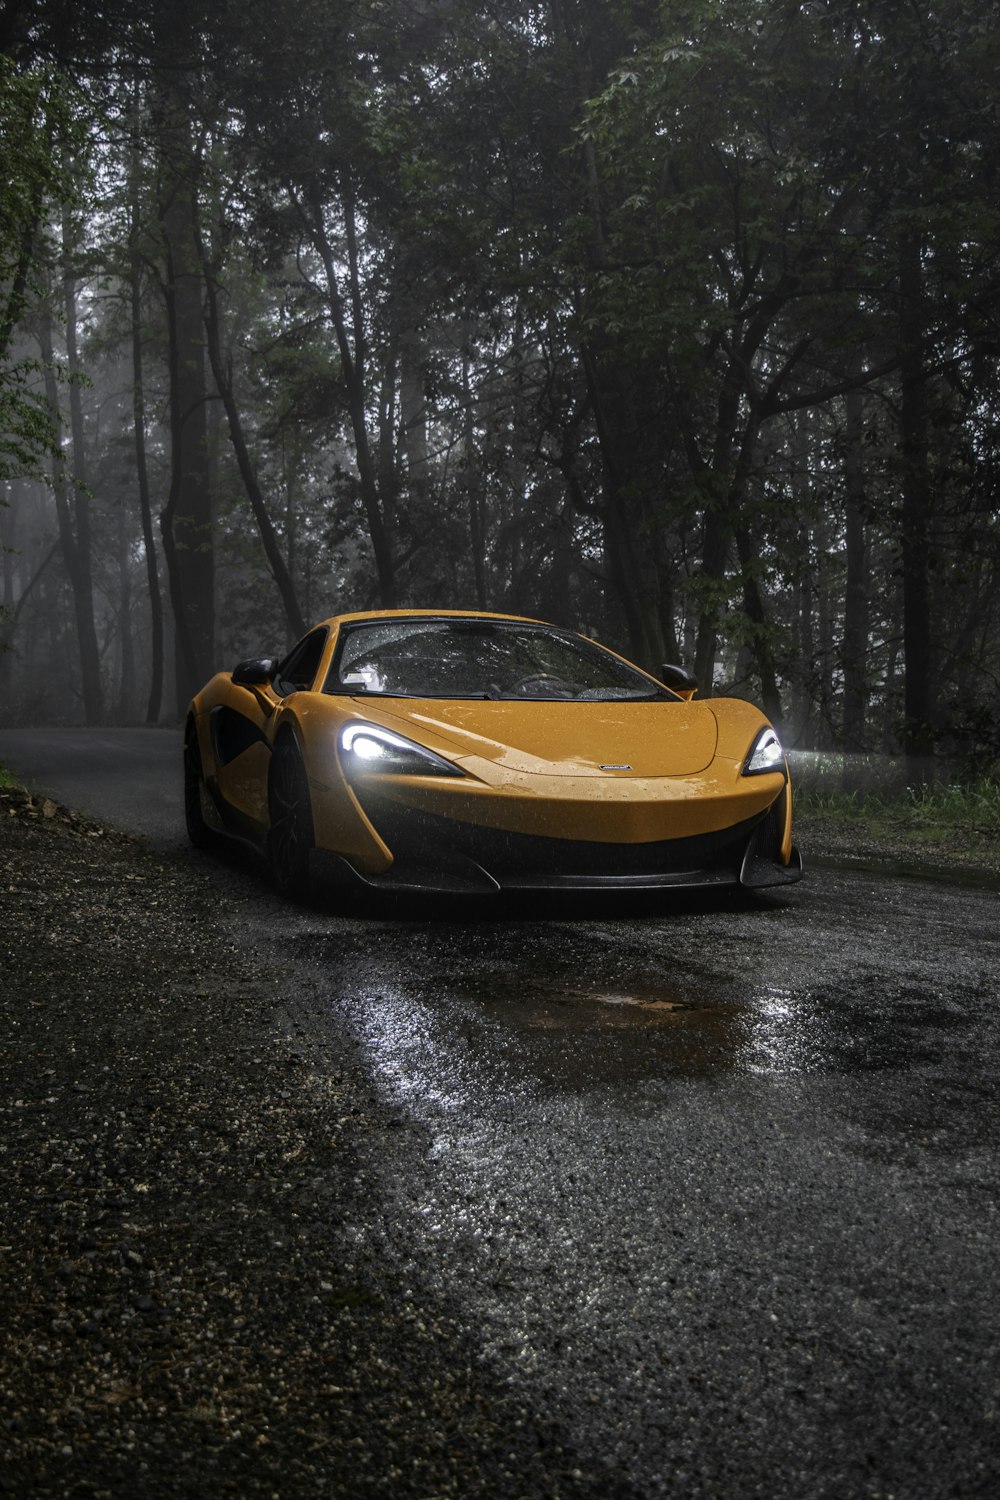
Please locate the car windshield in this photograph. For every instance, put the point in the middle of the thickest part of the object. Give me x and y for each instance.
(470, 658)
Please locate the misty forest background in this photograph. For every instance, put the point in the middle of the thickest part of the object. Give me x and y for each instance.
(677, 323)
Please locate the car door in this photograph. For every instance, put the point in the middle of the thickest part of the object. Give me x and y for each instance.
(241, 728)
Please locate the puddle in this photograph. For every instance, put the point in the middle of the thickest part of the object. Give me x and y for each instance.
(601, 1031)
(443, 1041)
(554, 1003)
(577, 1034)
(640, 1004)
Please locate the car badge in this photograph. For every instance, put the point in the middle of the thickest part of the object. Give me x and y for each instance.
(616, 768)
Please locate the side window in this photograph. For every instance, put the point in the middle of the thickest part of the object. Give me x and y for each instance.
(298, 671)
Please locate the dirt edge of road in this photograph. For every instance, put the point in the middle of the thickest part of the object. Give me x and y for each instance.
(956, 854)
(192, 1294)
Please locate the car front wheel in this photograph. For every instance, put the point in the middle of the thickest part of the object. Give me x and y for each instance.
(198, 830)
(290, 839)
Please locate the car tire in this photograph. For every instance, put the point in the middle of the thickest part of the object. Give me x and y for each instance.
(198, 831)
(290, 839)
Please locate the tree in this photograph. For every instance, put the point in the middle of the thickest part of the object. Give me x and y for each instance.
(186, 520)
(37, 127)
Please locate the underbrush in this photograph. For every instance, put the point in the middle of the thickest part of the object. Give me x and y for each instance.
(970, 805)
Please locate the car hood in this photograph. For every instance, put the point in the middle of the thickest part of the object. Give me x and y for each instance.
(566, 738)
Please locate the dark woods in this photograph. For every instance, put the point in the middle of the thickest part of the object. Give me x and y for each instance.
(677, 323)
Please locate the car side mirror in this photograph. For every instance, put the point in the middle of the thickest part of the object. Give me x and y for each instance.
(256, 672)
(685, 684)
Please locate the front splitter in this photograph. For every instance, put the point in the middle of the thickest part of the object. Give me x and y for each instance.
(437, 863)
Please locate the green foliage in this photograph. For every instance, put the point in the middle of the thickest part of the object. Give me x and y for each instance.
(975, 804)
(38, 128)
(25, 421)
(725, 191)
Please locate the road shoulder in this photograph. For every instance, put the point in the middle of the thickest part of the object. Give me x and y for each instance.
(961, 855)
(186, 1307)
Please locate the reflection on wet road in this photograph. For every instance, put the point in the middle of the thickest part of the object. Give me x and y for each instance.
(714, 1185)
(507, 986)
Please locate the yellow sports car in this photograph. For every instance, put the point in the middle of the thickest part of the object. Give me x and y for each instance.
(416, 750)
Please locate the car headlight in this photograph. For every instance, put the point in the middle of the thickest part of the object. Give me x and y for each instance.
(765, 755)
(368, 747)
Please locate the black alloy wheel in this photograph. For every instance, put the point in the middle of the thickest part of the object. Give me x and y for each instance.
(291, 835)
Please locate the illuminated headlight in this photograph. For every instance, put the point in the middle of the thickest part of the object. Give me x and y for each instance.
(766, 755)
(368, 747)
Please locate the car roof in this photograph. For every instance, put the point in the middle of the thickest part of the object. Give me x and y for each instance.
(372, 616)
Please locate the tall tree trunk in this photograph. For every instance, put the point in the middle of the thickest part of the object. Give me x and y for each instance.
(413, 406)
(126, 647)
(155, 698)
(83, 577)
(714, 544)
(753, 605)
(806, 654)
(918, 697)
(8, 535)
(186, 522)
(663, 546)
(222, 373)
(622, 562)
(477, 524)
(8, 529)
(825, 656)
(72, 506)
(722, 486)
(855, 650)
(353, 366)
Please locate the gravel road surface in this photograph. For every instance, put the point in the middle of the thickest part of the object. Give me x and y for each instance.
(692, 1199)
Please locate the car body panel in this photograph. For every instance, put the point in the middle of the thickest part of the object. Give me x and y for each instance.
(574, 739)
(545, 792)
(637, 810)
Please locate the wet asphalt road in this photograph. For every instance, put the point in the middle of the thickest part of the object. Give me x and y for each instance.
(716, 1186)
(712, 1184)
(127, 778)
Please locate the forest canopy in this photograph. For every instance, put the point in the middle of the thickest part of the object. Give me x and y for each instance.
(675, 323)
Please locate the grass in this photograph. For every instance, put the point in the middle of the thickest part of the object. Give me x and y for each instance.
(6, 779)
(945, 807)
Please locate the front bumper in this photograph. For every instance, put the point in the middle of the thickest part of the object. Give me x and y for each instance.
(437, 854)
